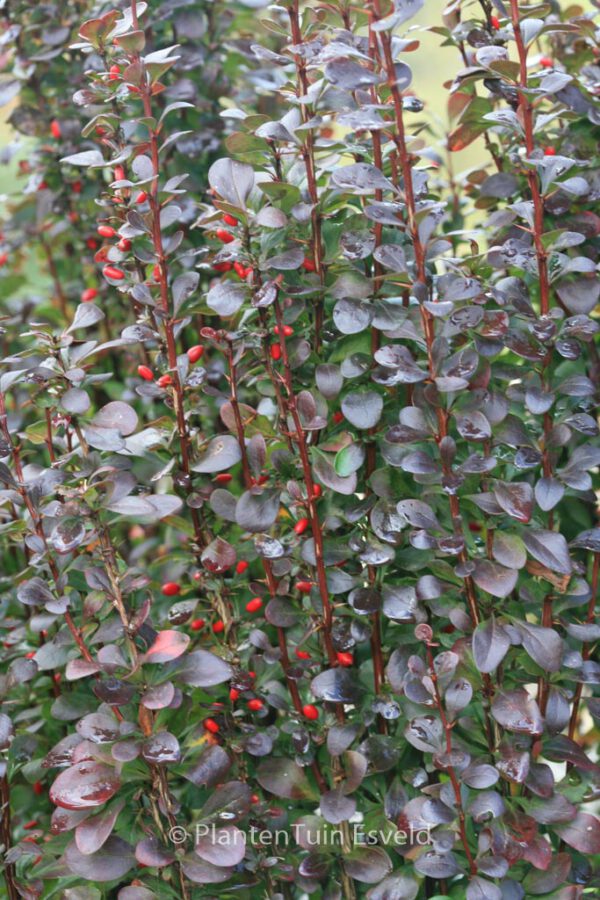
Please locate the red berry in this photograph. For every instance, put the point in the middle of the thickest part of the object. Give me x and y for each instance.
(275, 351)
(88, 295)
(197, 576)
(254, 798)
(241, 567)
(124, 245)
(301, 526)
(345, 659)
(549, 151)
(157, 273)
(106, 231)
(255, 705)
(211, 726)
(230, 220)
(113, 73)
(145, 373)
(119, 173)
(287, 330)
(171, 588)
(234, 694)
(224, 236)
(55, 129)
(38, 788)
(30, 655)
(218, 627)
(164, 381)
(3, 259)
(28, 825)
(310, 712)
(197, 625)
(317, 491)
(302, 654)
(113, 273)
(308, 265)
(338, 417)
(57, 677)
(495, 22)
(223, 267)
(304, 587)
(248, 271)
(252, 674)
(141, 197)
(546, 62)
(133, 89)
(254, 605)
(76, 187)
(223, 478)
(240, 269)
(92, 243)
(194, 353)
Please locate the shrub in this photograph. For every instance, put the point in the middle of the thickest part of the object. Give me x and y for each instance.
(298, 513)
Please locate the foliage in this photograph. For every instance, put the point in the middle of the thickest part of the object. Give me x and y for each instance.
(299, 455)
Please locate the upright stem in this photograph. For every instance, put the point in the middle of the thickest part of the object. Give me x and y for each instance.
(526, 111)
(308, 156)
(371, 459)
(37, 523)
(58, 289)
(447, 726)
(178, 400)
(586, 649)
(427, 319)
(268, 568)
(299, 437)
(6, 839)
(421, 272)
(527, 119)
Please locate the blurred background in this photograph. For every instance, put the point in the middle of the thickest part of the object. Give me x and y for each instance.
(432, 65)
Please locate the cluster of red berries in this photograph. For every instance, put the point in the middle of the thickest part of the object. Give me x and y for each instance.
(226, 237)
(308, 711)
(193, 354)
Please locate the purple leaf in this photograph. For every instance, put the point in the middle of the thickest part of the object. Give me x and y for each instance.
(83, 785)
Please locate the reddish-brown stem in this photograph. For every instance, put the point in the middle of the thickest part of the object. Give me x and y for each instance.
(39, 530)
(37, 522)
(268, 569)
(427, 319)
(49, 436)
(300, 438)
(447, 726)
(586, 649)
(526, 114)
(308, 157)
(6, 839)
(157, 241)
(421, 271)
(376, 649)
(235, 406)
(527, 120)
(58, 290)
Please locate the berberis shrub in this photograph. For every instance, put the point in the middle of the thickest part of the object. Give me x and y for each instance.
(299, 452)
